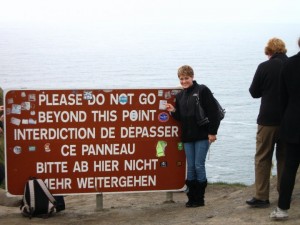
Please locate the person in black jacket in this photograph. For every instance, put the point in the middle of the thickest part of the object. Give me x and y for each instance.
(289, 131)
(265, 85)
(196, 139)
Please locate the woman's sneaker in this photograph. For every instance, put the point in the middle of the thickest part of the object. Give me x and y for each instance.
(279, 214)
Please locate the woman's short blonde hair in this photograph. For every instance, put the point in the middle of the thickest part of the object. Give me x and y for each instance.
(275, 45)
(185, 71)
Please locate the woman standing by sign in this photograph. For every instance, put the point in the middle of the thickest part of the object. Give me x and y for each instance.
(195, 137)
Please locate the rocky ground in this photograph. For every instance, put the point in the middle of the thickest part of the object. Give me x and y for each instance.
(225, 204)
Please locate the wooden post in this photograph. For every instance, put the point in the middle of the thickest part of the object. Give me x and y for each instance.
(169, 197)
(99, 202)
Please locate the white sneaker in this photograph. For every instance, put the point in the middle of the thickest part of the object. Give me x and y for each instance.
(279, 214)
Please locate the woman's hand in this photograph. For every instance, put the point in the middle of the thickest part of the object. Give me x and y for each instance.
(212, 138)
(170, 107)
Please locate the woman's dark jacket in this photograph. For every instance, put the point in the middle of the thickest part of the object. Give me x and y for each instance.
(290, 100)
(186, 109)
(265, 85)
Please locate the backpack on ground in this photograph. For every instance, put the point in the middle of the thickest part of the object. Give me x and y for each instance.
(37, 199)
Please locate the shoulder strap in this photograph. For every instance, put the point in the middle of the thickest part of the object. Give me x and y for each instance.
(199, 88)
(32, 194)
(30, 188)
(46, 191)
(26, 208)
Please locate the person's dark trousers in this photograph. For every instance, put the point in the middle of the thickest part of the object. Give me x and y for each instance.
(289, 175)
(199, 193)
(2, 173)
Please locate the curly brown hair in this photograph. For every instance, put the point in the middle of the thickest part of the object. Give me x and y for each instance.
(185, 70)
(275, 45)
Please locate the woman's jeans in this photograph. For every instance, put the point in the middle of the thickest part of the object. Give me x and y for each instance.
(196, 154)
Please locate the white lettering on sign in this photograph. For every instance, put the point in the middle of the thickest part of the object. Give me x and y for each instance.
(52, 167)
(104, 116)
(138, 115)
(121, 99)
(60, 99)
(106, 165)
(98, 99)
(68, 150)
(58, 183)
(61, 116)
(54, 133)
(108, 149)
(115, 182)
(140, 164)
(82, 166)
(146, 132)
(145, 99)
(107, 132)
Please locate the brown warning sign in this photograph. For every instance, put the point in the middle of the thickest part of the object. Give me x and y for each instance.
(90, 141)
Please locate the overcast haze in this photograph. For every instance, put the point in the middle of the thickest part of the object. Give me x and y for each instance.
(148, 11)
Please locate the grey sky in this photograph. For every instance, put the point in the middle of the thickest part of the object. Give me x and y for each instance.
(149, 11)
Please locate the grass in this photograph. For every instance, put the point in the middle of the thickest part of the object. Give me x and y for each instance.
(228, 184)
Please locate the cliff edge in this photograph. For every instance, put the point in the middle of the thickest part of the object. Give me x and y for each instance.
(225, 204)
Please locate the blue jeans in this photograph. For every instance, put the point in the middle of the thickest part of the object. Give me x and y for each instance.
(196, 154)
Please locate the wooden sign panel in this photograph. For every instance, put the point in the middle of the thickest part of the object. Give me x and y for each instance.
(91, 141)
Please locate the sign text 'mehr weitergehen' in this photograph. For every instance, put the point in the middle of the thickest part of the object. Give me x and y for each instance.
(91, 141)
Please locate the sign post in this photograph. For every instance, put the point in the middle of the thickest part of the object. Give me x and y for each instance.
(92, 141)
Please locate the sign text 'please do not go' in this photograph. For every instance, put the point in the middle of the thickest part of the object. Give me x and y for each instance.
(90, 141)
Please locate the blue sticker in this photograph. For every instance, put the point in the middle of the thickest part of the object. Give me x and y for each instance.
(87, 95)
(163, 117)
(31, 148)
(123, 99)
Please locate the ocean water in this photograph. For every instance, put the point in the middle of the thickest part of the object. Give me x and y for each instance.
(224, 57)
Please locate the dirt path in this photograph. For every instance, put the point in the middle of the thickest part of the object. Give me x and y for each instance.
(224, 205)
